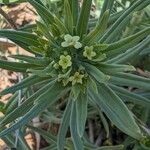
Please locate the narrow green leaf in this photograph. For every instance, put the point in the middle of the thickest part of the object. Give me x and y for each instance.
(20, 36)
(33, 60)
(96, 73)
(37, 50)
(2, 106)
(128, 41)
(75, 91)
(35, 110)
(105, 123)
(10, 140)
(56, 91)
(44, 30)
(126, 79)
(22, 143)
(93, 84)
(27, 82)
(15, 66)
(81, 112)
(68, 18)
(109, 35)
(28, 28)
(114, 68)
(84, 17)
(60, 25)
(75, 10)
(45, 14)
(87, 143)
(107, 5)
(98, 30)
(130, 53)
(113, 17)
(64, 126)
(47, 72)
(118, 147)
(116, 111)
(25, 106)
(51, 147)
(47, 135)
(42, 102)
(78, 144)
(130, 96)
(26, 47)
(11, 100)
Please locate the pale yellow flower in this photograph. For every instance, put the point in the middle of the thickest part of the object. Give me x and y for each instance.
(65, 61)
(71, 41)
(76, 78)
(89, 52)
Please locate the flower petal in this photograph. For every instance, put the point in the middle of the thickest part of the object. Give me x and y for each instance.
(78, 45)
(76, 38)
(67, 37)
(64, 44)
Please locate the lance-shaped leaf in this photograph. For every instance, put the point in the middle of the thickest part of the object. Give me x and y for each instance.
(13, 100)
(116, 111)
(10, 140)
(113, 17)
(81, 112)
(16, 66)
(74, 5)
(130, 96)
(68, 16)
(51, 147)
(44, 30)
(98, 30)
(48, 136)
(25, 106)
(64, 126)
(42, 102)
(96, 73)
(126, 79)
(117, 147)
(114, 29)
(60, 25)
(25, 83)
(107, 5)
(13, 105)
(28, 27)
(114, 68)
(84, 17)
(131, 53)
(20, 36)
(78, 144)
(41, 61)
(125, 43)
(45, 14)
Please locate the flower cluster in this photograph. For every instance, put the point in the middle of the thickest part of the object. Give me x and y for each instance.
(66, 60)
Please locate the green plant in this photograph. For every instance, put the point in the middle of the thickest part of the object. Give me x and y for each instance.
(86, 67)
